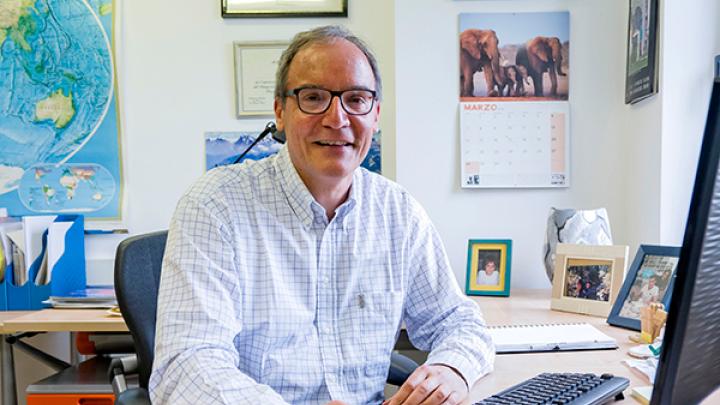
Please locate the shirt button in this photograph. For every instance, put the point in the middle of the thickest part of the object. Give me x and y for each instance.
(325, 279)
(326, 330)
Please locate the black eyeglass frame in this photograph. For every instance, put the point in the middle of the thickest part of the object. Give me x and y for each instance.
(333, 93)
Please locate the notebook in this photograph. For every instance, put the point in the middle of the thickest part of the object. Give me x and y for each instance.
(549, 337)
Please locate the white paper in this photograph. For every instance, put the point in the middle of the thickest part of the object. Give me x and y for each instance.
(647, 367)
(34, 228)
(4, 228)
(17, 242)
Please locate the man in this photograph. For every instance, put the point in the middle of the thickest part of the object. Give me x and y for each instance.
(489, 274)
(650, 292)
(287, 279)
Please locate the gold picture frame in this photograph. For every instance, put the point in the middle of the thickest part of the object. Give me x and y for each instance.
(588, 278)
(283, 8)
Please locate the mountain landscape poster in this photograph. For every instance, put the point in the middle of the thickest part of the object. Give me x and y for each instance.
(222, 148)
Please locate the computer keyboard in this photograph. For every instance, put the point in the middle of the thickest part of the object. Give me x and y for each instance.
(562, 388)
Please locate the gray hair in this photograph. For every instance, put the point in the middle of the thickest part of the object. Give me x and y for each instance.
(325, 34)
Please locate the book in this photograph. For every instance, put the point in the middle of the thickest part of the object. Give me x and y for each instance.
(549, 337)
(91, 297)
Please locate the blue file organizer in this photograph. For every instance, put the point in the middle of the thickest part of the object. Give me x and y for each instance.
(68, 274)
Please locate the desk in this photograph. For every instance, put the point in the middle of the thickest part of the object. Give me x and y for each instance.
(64, 320)
(523, 307)
(48, 320)
(532, 307)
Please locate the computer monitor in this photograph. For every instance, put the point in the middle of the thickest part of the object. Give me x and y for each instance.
(689, 367)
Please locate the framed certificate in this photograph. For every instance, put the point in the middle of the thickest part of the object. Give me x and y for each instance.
(255, 67)
(283, 8)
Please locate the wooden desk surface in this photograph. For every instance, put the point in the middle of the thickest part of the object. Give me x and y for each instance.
(532, 307)
(63, 320)
(7, 315)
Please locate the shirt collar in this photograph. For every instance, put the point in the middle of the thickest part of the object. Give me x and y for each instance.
(299, 197)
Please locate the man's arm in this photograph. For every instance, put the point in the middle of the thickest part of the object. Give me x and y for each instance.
(439, 318)
(199, 314)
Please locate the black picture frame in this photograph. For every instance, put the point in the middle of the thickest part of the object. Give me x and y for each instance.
(332, 8)
(641, 78)
(622, 318)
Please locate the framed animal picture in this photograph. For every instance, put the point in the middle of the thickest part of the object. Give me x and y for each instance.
(514, 56)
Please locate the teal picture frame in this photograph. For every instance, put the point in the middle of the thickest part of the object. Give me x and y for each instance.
(489, 265)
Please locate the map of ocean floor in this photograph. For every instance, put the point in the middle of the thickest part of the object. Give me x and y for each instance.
(58, 105)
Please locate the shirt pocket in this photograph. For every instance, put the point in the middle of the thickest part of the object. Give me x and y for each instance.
(376, 316)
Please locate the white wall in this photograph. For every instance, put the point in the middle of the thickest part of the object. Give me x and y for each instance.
(427, 128)
(691, 39)
(663, 133)
(637, 161)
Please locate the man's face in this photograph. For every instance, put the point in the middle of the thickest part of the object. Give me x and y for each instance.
(489, 268)
(331, 145)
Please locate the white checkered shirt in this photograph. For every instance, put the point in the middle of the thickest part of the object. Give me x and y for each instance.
(263, 300)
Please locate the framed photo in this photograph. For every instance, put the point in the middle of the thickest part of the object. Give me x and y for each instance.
(587, 278)
(283, 8)
(255, 67)
(488, 268)
(641, 71)
(650, 279)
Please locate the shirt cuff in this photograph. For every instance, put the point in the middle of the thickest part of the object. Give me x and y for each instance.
(470, 370)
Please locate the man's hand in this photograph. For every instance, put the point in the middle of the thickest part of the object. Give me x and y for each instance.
(336, 402)
(430, 385)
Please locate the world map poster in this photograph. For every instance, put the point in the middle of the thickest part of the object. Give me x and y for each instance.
(59, 127)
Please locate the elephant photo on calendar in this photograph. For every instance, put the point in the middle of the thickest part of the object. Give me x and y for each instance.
(514, 56)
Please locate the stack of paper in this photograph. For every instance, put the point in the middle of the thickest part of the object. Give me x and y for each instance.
(91, 297)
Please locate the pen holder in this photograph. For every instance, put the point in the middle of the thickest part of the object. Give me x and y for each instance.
(652, 319)
(63, 252)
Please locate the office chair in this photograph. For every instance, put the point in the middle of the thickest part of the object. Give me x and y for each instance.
(138, 262)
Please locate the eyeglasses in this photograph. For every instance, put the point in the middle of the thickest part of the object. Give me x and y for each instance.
(313, 100)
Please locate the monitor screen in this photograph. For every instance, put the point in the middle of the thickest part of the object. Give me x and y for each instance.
(689, 367)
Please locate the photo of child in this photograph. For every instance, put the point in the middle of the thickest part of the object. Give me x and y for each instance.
(650, 286)
(488, 265)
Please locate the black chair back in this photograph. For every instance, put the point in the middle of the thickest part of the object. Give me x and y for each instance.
(138, 262)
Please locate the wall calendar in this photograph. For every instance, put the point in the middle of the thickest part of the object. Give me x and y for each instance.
(514, 144)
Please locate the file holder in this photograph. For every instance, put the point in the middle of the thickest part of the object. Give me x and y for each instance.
(68, 273)
(6, 225)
